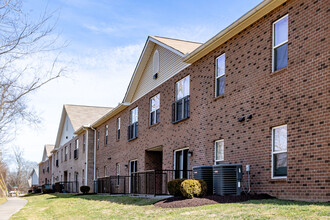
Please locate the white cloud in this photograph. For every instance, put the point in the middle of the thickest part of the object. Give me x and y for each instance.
(96, 77)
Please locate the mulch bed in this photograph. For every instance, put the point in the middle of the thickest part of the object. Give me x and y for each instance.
(180, 202)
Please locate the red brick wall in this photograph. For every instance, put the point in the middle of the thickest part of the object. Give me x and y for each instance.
(296, 96)
(43, 173)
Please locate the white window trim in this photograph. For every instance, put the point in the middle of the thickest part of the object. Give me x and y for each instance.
(106, 138)
(118, 128)
(174, 156)
(131, 115)
(277, 152)
(215, 151)
(155, 115)
(216, 74)
(117, 173)
(177, 87)
(273, 40)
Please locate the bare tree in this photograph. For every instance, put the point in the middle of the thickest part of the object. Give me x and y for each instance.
(23, 168)
(23, 41)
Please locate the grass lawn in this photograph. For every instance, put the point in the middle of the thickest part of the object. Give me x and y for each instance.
(64, 206)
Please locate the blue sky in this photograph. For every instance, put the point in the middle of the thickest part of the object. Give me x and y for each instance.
(105, 40)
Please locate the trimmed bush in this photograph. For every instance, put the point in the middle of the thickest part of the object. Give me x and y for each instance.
(30, 191)
(85, 189)
(173, 187)
(37, 191)
(47, 191)
(193, 187)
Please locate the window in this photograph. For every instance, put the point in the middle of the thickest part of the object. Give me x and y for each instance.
(220, 75)
(105, 170)
(280, 43)
(219, 151)
(106, 134)
(118, 128)
(117, 173)
(76, 150)
(133, 127)
(180, 108)
(155, 64)
(83, 177)
(97, 139)
(154, 109)
(66, 153)
(62, 155)
(84, 143)
(181, 163)
(70, 151)
(279, 152)
(97, 173)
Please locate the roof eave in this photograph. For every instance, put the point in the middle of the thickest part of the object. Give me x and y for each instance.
(239, 25)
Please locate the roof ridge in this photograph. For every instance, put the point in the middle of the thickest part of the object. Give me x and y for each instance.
(195, 42)
(94, 106)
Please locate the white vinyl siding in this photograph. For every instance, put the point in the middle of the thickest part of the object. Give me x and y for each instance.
(169, 64)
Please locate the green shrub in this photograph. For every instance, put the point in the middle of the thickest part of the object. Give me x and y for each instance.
(47, 191)
(173, 187)
(193, 187)
(85, 189)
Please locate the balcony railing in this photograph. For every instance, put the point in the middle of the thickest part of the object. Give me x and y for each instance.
(152, 182)
(75, 153)
(180, 109)
(133, 131)
(66, 187)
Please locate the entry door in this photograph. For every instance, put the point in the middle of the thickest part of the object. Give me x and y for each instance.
(133, 176)
(181, 163)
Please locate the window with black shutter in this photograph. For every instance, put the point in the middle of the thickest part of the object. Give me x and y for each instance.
(180, 107)
(133, 127)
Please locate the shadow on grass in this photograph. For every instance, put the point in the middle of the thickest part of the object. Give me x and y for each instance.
(279, 202)
(124, 200)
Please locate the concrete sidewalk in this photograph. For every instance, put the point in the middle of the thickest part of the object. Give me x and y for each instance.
(10, 207)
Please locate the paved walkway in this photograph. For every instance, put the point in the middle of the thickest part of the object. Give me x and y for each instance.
(10, 207)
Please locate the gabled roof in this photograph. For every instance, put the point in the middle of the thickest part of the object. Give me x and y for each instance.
(239, 25)
(79, 115)
(47, 151)
(182, 46)
(179, 47)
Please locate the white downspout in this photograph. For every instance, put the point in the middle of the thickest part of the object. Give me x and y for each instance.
(86, 169)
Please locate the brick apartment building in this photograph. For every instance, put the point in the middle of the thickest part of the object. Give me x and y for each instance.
(45, 168)
(73, 158)
(255, 94)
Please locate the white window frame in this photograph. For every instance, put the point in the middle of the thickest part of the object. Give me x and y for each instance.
(155, 111)
(216, 74)
(97, 139)
(118, 129)
(84, 143)
(133, 119)
(277, 152)
(105, 171)
(155, 62)
(176, 87)
(117, 172)
(106, 134)
(215, 151)
(273, 42)
(174, 156)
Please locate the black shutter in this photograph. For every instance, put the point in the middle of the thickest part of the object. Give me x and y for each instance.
(173, 112)
(128, 132)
